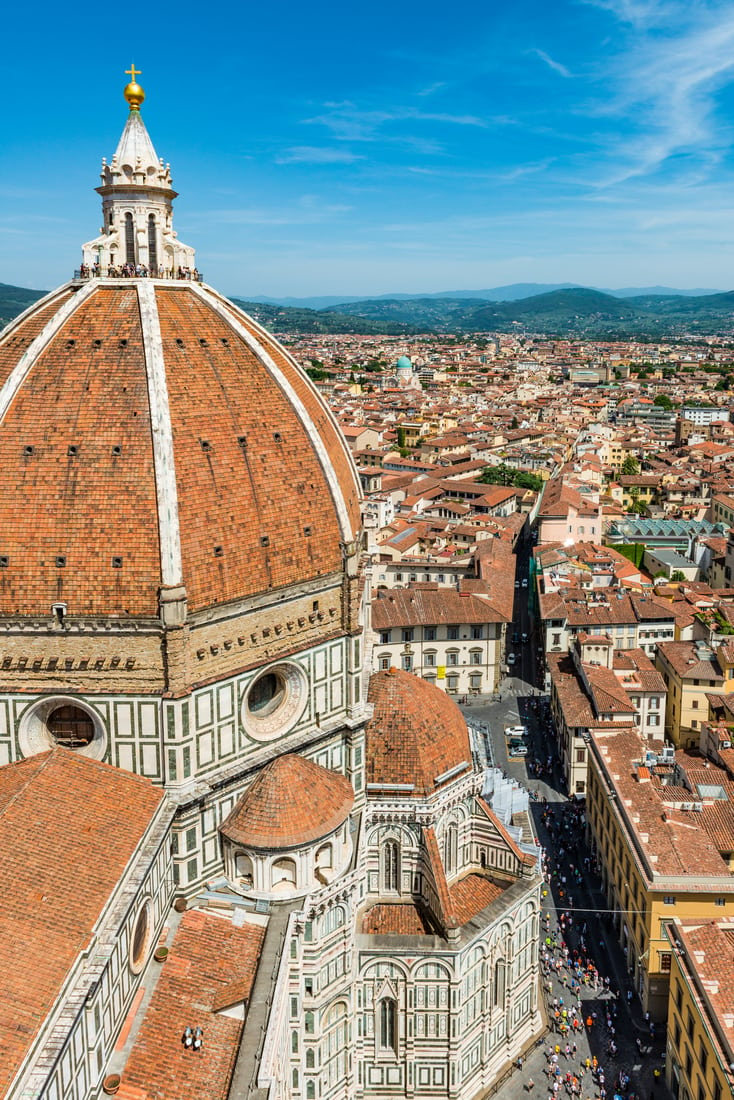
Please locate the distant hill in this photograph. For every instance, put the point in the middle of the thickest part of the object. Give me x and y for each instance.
(564, 311)
(577, 311)
(14, 299)
(510, 293)
(323, 322)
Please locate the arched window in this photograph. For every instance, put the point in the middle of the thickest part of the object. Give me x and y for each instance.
(243, 868)
(451, 849)
(294, 1042)
(390, 868)
(310, 1058)
(310, 1091)
(283, 875)
(152, 245)
(388, 1024)
(324, 857)
(295, 1078)
(129, 239)
(498, 992)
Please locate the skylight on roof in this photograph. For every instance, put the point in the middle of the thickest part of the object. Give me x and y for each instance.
(712, 792)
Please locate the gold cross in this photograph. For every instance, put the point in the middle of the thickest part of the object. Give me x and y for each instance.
(132, 72)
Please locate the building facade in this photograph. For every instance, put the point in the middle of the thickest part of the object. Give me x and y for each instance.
(453, 639)
(653, 823)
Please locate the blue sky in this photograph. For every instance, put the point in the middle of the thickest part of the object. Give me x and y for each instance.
(404, 146)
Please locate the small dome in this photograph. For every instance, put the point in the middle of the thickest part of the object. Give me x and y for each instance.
(291, 802)
(404, 363)
(417, 735)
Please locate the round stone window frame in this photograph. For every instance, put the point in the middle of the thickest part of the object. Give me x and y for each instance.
(144, 912)
(34, 735)
(284, 717)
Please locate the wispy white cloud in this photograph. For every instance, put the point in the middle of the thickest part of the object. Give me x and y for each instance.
(315, 154)
(432, 88)
(639, 13)
(665, 84)
(556, 66)
(347, 122)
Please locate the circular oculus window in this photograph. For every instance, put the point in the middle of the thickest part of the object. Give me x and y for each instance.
(274, 701)
(141, 938)
(63, 721)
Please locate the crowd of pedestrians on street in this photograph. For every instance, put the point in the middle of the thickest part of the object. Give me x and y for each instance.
(586, 1010)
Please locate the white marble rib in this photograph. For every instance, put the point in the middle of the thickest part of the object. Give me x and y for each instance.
(160, 419)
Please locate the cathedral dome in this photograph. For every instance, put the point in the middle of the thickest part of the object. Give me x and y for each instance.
(417, 738)
(292, 802)
(153, 436)
(158, 445)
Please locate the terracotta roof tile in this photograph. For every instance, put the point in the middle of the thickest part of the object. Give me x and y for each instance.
(85, 493)
(227, 494)
(291, 802)
(68, 828)
(206, 952)
(416, 736)
(96, 504)
(430, 604)
(472, 894)
(405, 919)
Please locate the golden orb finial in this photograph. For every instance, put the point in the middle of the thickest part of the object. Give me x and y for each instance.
(133, 93)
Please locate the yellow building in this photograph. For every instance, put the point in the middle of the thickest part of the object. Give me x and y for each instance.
(691, 670)
(638, 488)
(654, 820)
(700, 1040)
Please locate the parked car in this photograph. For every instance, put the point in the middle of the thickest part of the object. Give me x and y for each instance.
(516, 731)
(517, 584)
(511, 659)
(515, 638)
(517, 748)
(524, 637)
(525, 582)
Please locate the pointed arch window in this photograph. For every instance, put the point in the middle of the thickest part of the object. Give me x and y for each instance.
(129, 239)
(451, 849)
(388, 1024)
(499, 982)
(390, 865)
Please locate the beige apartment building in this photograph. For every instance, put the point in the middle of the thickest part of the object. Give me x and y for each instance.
(664, 851)
(691, 670)
(455, 640)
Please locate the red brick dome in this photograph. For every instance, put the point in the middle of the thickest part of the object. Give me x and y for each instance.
(417, 738)
(291, 802)
(153, 437)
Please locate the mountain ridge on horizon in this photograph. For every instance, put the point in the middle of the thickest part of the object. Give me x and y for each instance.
(574, 311)
(510, 292)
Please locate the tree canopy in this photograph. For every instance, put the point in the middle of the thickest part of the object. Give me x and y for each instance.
(509, 475)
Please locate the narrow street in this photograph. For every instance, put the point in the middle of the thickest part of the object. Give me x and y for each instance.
(594, 1018)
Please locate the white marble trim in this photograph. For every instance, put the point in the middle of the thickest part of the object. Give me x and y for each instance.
(162, 433)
